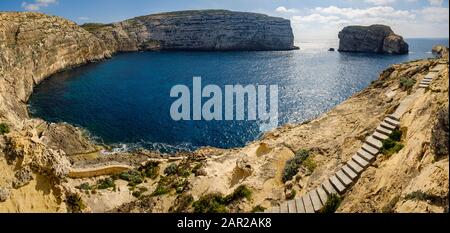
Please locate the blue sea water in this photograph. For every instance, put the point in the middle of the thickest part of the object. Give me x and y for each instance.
(126, 100)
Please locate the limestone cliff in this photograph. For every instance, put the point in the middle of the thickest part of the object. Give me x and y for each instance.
(197, 30)
(371, 39)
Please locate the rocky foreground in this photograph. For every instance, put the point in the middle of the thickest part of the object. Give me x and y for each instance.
(371, 39)
(56, 168)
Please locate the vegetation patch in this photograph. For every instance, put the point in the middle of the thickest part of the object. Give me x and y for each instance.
(292, 165)
(422, 196)
(138, 193)
(392, 144)
(4, 128)
(182, 204)
(389, 207)
(215, 203)
(84, 187)
(94, 26)
(331, 205)
(75, 203)
(440, 134)
(150, 170)
(106, 183)
(407, 83)
(257, 209)
(132, 176)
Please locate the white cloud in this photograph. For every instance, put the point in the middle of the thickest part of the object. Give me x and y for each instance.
(83, 18)
(326, 22)
(436, 2)
(37, 4)
(380, 2)
(435, 14)
(283, 9)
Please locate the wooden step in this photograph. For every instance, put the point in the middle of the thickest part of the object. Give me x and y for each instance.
(315, 199)
(308, 204)
(355, 167)
(366, 155)
(374, 143)
(275, 209)
(392, 122)
(284, 208)
(323, 195)
(349, 172)
(384, 131)
(380, 136)
(345, 180)
(423, 86)
(337, 184)
(292, 208)
(360, 161)
(393, 117)
(388, 126)
(370, 149)
(300, 205)
(328, 187)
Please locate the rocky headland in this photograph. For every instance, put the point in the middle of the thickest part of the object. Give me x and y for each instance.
(48, 167)
(371, 39)
(197, 30)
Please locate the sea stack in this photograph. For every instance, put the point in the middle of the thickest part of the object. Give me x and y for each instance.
(197, 30)
(371, 39)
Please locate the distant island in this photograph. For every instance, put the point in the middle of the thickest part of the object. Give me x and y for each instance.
(371, 39)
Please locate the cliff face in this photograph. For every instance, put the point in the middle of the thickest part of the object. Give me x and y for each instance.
(34, 46)
(371, 39)
(198, 30)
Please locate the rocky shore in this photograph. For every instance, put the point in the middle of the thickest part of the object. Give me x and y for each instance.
(56, 168)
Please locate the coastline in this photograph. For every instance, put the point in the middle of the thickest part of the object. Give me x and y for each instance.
(224, 167)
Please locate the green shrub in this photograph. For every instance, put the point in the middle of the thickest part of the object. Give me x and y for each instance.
(215, 203)
(239, 193)
(292, 165)
(210, 203)
(150, 170)
(310, 164)
(389, 207)
(138, 193)
(182, 204)
(258, 208)
(407, 83)
(171, 169)
(106, 183)
(392, 145)
(84, 187)
(91, 27)
(4, 128)
(75, 203)
(331, 205)
(163, 186)
(133, 177)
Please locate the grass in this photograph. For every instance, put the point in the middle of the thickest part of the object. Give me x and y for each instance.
(407, 83)
(182, 203)
(331, 205)
(392, 144)
(215, 203)
(171, 169)
(292, 165)
(4, 128)
(163, 187)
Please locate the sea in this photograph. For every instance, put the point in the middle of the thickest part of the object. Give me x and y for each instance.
(125, 101)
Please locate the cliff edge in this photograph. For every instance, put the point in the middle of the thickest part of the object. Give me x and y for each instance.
(371, 39)
(197, 30)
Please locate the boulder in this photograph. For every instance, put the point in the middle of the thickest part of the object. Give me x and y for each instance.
(371, 39)
(4, 194)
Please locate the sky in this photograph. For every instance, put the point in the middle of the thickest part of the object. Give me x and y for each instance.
(311, 20)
